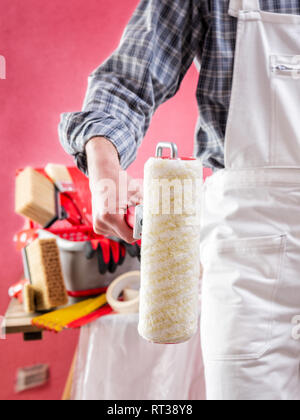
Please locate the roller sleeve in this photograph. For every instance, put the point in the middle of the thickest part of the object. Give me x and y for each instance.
(170, 261)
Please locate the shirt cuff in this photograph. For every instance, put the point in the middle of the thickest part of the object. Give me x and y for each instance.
(76, 129)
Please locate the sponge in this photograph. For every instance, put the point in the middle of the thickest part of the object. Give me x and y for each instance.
(58, 173)
(35, 197)
(46, 274)
(29, 299)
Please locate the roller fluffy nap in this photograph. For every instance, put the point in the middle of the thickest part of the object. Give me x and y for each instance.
(170, 267)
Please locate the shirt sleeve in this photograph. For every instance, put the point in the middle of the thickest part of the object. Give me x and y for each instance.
(156, 50)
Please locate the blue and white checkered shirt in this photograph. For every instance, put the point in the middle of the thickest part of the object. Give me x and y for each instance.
(159, 45)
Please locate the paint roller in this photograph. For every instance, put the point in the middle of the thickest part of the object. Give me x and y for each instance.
(170, 258)
(45, 197)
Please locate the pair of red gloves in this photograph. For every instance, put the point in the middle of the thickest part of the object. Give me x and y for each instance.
(110, 253)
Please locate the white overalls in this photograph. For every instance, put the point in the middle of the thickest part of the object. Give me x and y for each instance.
(250, 247)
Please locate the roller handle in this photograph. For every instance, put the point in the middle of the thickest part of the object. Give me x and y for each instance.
(164, 145)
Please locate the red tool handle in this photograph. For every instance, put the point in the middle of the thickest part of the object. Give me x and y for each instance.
(130, 217)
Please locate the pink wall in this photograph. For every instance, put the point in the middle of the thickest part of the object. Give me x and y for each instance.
(50, 48)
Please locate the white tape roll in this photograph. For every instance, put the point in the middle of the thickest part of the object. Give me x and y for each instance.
(127, 280)
(170, 261)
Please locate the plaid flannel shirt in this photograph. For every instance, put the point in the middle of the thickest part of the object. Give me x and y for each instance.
(159, 45)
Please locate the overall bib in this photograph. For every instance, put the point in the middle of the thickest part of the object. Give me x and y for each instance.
(250, 248)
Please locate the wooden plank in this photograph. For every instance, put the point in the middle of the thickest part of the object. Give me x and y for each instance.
(17, 321)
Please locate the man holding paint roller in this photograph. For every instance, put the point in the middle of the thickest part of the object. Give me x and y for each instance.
(248, 132)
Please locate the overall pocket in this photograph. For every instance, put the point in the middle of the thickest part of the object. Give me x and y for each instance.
(240, 283)
(285, 129)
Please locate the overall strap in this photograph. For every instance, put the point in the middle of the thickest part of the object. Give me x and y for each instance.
(236, 6)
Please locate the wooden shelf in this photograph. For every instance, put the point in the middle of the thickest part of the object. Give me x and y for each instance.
(17, 321)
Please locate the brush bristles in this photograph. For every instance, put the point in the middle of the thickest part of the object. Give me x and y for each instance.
(58, 173)
(35, 197)
(46, 274)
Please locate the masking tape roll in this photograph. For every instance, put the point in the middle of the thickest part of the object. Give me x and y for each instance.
(117, 287)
